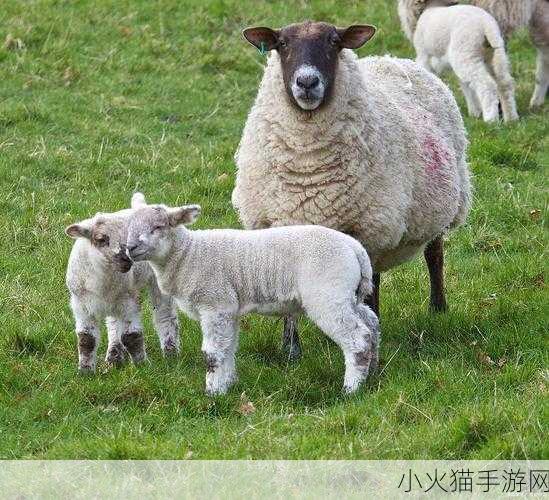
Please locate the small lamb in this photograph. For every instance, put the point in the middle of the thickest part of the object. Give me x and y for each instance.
(466, 39)
(216, 276)
(103, 284)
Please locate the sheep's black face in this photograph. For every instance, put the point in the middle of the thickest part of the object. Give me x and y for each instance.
(309, 54)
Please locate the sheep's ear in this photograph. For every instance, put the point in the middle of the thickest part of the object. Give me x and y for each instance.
(356, 36)
(183, 215)
(138, 200)
(262, 38)
(79, 230)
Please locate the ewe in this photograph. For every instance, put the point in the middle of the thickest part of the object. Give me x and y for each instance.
(372, 147)
(468, 40)
(216, 276)
(103, 284)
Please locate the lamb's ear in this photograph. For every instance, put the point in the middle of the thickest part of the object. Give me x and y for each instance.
(79, 230)
(262, 38)
(356, 36)
(183, 215)
(138, 200)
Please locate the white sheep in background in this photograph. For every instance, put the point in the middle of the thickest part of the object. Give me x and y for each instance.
(216, 276)
(466, 39)
(372, 147)
(103, 284)
(534, 15)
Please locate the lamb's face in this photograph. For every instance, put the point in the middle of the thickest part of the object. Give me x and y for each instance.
(309, 53)
(149, 230)
(107, 233)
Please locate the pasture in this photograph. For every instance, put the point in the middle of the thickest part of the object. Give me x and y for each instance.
(98, 99)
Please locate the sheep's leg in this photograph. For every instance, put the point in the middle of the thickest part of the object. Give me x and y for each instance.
(372, 301)
(165, 321)
(342, 322)
(219, 344)
(87, 333)
(290, 339)
(473, 104)
(434, 256)
(132, 332)
(505, 85)
(116, 353)
(372, 322)
(542, 77)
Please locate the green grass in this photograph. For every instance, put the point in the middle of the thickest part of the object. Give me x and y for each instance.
(102, 98)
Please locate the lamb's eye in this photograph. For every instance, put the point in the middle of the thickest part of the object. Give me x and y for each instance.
(157, 228)
(102, 240)
(282, 44)
(334, 41)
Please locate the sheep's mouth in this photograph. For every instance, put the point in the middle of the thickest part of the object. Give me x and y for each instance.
(124, 265)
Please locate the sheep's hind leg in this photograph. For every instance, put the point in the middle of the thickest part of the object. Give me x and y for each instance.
(372, 301)
(116, 352)
(219, 344)
(434, 256)
(165, 321)
(343, 324)
(132, 332)
(290, 339)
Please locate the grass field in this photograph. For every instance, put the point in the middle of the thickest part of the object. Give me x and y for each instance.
(98, 99)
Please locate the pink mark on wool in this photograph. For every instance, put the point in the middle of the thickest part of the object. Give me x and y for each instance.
(435, 154)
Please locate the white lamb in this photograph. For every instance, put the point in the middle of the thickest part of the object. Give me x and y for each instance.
(466, 39)
(372, 147)
(534, 15)
(103, 284)
(216, 276)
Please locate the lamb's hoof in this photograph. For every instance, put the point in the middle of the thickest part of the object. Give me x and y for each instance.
(170, 353)
(86, 370)
(116, 355)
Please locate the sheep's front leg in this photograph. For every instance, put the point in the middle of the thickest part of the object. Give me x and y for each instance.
(290, 339)
(219, 344)
(132, 332)
(434, 256)
(87, 334)
(165, 321)
(542, 77)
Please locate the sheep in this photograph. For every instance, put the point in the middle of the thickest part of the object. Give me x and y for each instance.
(372, 147)
(468, 40)
(216, 276)
(103, 285)
(534, 14)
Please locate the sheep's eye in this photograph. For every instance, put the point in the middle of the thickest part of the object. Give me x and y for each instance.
(282, 44)
(102, 241)
(157, 228)
(334, 41)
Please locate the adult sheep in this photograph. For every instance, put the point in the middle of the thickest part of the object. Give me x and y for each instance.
(373, 147)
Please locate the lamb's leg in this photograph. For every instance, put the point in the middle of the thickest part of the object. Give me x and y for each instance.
(341, 321)
(132, 332)
(372, 322)
(290, 339)
(434, 256)
(116, 353)
(372, 301)
(505, 85)
(473, 105)
(165, 321)
(542, 77)
(87, 333)
(219, 344)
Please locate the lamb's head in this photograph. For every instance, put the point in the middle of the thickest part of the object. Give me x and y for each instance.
(107, 234)
(150, 230)
(309, 53)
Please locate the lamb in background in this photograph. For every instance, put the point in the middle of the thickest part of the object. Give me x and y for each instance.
(512, 15)
(103, 284)
(216, 276)
(372, 147)
(468, 40)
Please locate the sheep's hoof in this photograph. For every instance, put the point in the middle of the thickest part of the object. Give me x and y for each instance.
(438, 306)
(116, 355)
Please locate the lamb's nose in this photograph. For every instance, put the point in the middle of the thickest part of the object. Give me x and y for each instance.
(307, 82)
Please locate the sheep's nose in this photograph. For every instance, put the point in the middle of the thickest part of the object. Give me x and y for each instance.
(307, 82)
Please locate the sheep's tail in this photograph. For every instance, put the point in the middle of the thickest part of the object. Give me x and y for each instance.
(138, 200)
(365, 287)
